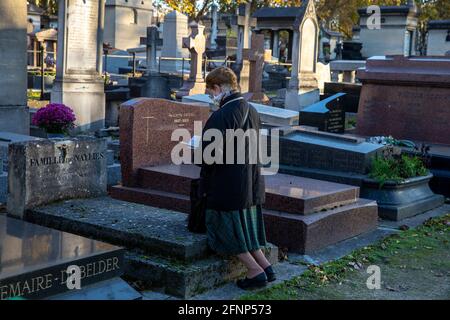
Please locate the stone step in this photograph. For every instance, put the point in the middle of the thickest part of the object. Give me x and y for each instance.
(153, 198)
(306, 234)
(160, 251)
(286, 193)
(153, 230)
(186, 280)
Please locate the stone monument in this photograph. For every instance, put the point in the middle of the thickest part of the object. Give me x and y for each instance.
(14, 115)
(44, 171)
(175, 28)
(214, 26)
(303, 87)
(79, 82)
(255, 55)
(196, 43)
(407, 98)
(244, 22)
(152, 42)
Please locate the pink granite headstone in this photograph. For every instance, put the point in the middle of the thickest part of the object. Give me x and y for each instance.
(408, 98)
(146, 127)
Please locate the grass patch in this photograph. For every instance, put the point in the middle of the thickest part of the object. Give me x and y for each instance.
(415, 264)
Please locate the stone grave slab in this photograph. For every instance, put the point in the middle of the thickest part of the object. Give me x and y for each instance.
(327, 115)
(44, 171)
(146, 126)
(160, 250)
(34, 260)
(303, 200)
(306, 234)
(269, 115)
(326, 151)
(283, 192)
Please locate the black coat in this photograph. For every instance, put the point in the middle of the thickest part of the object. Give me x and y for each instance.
(232, 187)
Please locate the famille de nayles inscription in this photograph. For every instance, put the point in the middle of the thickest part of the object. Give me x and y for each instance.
(49, 280)
(63, 159)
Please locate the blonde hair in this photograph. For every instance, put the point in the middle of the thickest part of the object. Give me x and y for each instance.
(223, 77)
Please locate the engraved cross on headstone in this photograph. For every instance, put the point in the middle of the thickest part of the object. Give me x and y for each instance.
(196, 43)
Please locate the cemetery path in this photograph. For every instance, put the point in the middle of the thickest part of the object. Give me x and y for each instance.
(414, 264)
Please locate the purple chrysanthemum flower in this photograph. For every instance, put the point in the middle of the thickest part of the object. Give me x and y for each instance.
(54, 118)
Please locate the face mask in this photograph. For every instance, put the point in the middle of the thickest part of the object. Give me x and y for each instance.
(217, 99)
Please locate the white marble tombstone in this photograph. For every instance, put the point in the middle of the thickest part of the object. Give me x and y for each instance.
(14, 116)
(175, 28)
(303, 89)
(79, 82)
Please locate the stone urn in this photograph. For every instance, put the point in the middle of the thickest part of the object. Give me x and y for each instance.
(400, 200)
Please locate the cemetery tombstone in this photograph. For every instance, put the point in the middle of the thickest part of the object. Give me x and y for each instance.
(79, 82)
(196, 43)
(406, 98)
(146, 126)
(245, 22)
(327, 115)
(255, 55)
(153, 41)
(14, 115)
(44, 171)
(303, 87)
(214, 26)
(175, 28)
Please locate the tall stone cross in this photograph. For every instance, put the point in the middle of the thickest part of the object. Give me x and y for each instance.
(245, 22)
(153, 41)
(196, 43)
(255, 57)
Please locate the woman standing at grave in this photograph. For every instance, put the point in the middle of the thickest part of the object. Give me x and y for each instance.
(235, 191)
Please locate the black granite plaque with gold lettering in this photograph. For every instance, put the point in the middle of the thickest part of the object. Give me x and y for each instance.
(34, 261)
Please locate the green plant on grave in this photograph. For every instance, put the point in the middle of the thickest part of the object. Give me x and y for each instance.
(396, 167)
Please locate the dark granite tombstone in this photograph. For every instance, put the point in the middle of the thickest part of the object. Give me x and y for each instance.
(327, 115)
(34, 260)
(407, 98)
(44, 171)
(352, 92)
(327, 151)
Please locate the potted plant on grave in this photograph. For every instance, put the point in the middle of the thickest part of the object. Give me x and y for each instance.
(55, 118)
(400, 185)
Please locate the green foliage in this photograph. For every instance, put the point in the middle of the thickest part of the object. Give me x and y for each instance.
(396, 169)
(395, 250)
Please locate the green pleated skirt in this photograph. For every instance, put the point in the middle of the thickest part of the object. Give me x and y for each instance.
(235, 232)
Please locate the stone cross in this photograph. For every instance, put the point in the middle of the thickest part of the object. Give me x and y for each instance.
(245, 23)
(195, 43)
(152, 42)
(213, 38)
(255, 56)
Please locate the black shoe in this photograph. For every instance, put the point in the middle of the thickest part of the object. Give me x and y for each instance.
(271, 275)
(257, 282)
